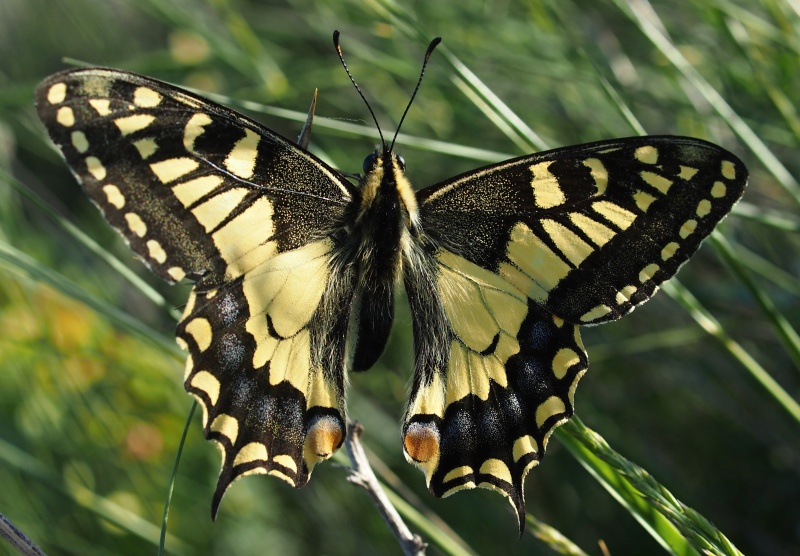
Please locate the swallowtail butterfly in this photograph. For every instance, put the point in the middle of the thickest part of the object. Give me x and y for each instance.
(295, 267)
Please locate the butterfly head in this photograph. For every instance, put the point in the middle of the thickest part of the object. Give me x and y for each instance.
(384, 183)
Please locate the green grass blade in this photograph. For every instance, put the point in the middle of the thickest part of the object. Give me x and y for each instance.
(99, 505)
(787, 334)
(679, 529)
(642, 13)
(16, 261)
(711, 325)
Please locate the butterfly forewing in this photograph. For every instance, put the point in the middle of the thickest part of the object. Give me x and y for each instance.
(202, 192)
(589, 231)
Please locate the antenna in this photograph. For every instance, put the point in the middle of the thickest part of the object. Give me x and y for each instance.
(434, 43)
(353, 81)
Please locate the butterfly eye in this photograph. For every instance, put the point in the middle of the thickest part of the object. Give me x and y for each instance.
(401, 161)
(370, 162)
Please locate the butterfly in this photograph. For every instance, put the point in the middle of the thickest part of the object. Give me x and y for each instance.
(294, 270)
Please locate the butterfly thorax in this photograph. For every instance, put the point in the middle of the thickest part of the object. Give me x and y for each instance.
(386, 217)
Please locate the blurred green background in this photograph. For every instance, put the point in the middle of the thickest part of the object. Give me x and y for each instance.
(91, 402)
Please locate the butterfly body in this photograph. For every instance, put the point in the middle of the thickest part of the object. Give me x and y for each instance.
(295, 270)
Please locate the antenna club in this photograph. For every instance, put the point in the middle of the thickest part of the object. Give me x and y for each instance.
(434, 43)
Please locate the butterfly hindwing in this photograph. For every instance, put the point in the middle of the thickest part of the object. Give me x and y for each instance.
(520, 254)
(202, 192)
(482, 414)
(270, 372)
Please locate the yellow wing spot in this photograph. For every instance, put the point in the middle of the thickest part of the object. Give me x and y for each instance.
(657, 181)
(458, 375)
(281, 476)
(241, 161)
(718, 190)
(188, 309)
(291, 361)
(176, 273)
(496, 468)
(319, 391)
(624, 295)
(558, 321)
(669, 250)
(703, 208)
(571, 246)
(647, 154)
(254, 451)
(114, 196)
(189, 367)
(577, 337)
(57, 93)
(286, 461)
(79, 141)
(466, 486)
(523, 446)
(239, 246)
(643, 200)
(323, 438)
(430, 399)
(648, 272)
(145, 97)
(207, 383)
(615, 214)
(538, 270)
(101, 105)
(551, 406)
(688, 228)
(227, 426)
(156, 252)
(146, 147)
(487, 369)
(594, 230)
(136, 224)
(211, 213)
(194, 129)
(95, 168)
(563, 360)
(596, 313)
(200, 330)
(189, 192)
(546, 190)
(65, 116)
(599, 174)
(573, 387)
(728, 169)
(173, 168)
(182, 344)
(457, 473)
(687, 172)
(132, 124)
